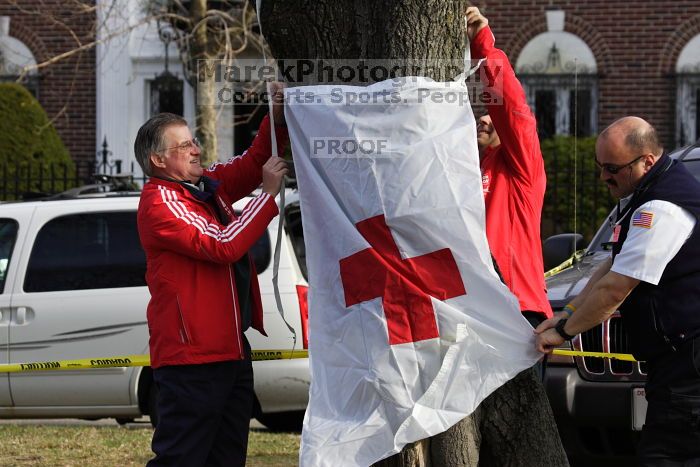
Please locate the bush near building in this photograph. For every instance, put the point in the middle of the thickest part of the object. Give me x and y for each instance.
(564, 156)
(32, 156)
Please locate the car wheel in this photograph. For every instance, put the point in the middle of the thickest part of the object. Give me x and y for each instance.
(124, 421)
(282, 421)
(153, 404)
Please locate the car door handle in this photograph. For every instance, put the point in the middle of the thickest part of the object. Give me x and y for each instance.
(21, 315)
(5, 316)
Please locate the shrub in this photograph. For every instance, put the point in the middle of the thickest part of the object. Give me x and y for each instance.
(591, 198)
(30, 148)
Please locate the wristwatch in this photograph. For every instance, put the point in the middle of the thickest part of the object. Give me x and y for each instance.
(560, 330)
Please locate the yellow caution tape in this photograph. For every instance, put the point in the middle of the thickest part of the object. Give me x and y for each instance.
(579, 353)
(108, 362)
(129, 360)
(565, 265)
(278, 354)
(258, 355)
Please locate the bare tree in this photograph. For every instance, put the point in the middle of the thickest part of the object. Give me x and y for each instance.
(515, 425)
(204, 30)
(208, 30)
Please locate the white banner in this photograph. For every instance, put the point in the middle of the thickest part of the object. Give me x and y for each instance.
(409, 326)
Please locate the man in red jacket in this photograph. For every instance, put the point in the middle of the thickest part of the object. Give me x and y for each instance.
(513, 174)
(203, 284)
(514, 182)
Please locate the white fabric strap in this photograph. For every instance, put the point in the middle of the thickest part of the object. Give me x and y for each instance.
(468, 69)
(280, 224)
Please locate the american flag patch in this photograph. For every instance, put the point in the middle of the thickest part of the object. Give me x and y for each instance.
(643, 219)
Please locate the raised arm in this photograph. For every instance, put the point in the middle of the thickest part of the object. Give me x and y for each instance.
(512, 118)
(242, 174)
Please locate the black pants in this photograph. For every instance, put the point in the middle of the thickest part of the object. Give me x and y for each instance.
(535, 318)
(671, 433)
(204, 414)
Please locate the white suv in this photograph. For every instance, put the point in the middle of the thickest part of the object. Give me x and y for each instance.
(72, 286)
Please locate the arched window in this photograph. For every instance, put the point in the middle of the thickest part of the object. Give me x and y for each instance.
(167, 94)
(688, 93)
(14, 57)
(559, 73)
(166, 88)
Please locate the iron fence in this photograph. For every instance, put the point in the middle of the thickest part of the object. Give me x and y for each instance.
(571, 204)
(22, 180)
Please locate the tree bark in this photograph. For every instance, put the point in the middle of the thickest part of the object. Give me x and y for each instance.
(518, 427)
(459, 446)
(515, 425)
(201, 45)
(206, 30)
(415, 455)
(365, 29)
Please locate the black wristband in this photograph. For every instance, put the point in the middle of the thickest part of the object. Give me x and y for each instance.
(560, 330)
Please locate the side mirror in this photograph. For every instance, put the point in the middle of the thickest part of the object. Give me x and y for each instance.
(558, 248)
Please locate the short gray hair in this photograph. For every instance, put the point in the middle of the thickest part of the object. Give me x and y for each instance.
(640, 136)
(641, 140)
(149, 139)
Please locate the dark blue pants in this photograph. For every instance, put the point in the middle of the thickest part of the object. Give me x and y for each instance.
(671, 433)
(204, 414)
(535, 318)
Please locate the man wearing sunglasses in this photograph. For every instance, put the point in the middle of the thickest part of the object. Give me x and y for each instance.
(653, 278)
(203, 285)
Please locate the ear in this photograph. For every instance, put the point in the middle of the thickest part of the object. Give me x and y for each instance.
(157, 160)
(649, 161)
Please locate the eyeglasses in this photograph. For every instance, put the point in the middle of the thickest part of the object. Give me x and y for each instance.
(613, 169)
(186, 146)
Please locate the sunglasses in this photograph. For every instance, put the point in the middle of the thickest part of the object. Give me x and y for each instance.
(613, 169)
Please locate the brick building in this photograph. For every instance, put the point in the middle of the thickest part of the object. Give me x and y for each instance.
(631, 57)
(645, 61)
(35, 31)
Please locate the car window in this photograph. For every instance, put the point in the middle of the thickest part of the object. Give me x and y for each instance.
(8, 235)
(87, 251)
(601, 240)
(693, 167)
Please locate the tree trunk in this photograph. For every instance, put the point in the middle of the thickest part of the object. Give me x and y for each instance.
(460, 444)
(414, 455)
(207, 113)
(365, 29)
(514, 426)
(201, 48)
(518, 427)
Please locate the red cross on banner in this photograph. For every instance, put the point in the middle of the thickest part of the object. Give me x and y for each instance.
(405, 285)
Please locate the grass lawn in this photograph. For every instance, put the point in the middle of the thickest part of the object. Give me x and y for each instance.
(88, 446)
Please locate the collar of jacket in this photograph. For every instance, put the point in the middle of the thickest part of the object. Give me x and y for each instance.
(487, 153)
(647, 181)
(649, 178)
(204, 189)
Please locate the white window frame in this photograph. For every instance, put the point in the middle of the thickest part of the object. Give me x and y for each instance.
(562, 85)
(687, 88)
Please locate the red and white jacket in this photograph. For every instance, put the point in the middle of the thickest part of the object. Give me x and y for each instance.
(193, 314)
(514, 181)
